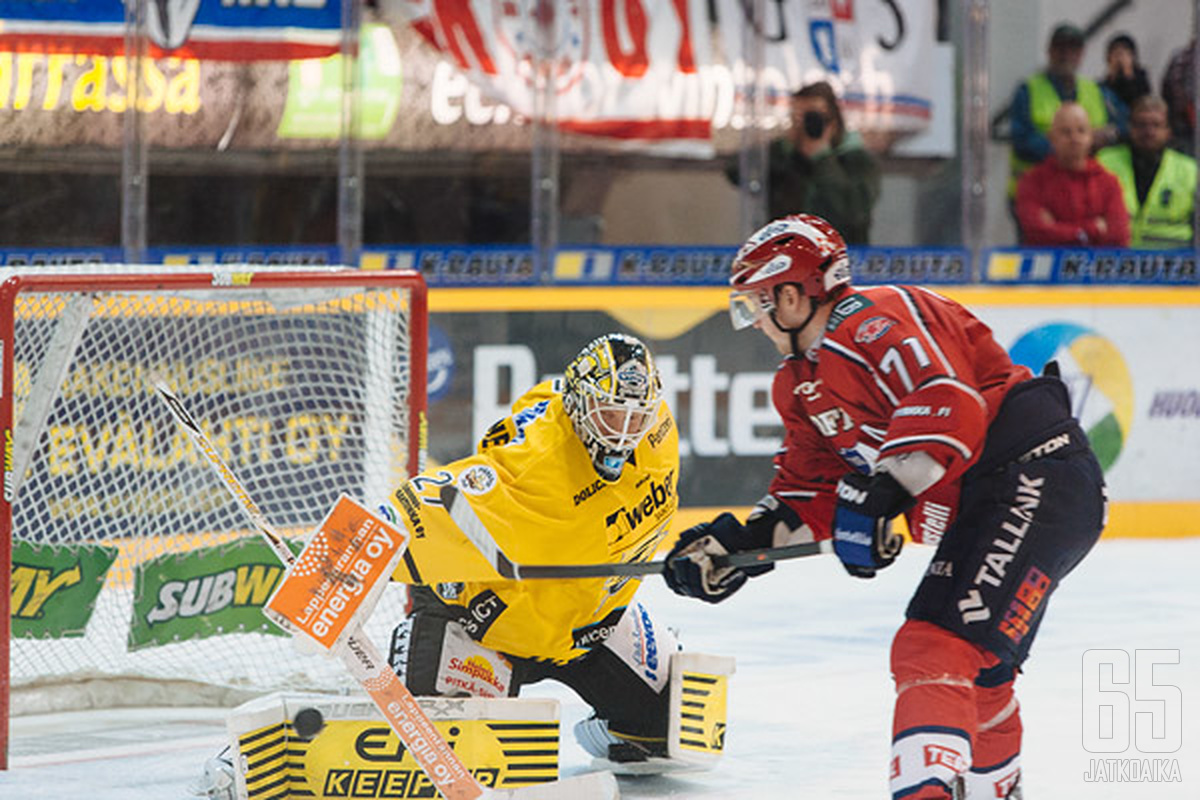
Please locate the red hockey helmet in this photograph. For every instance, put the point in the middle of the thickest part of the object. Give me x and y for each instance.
(802, 249)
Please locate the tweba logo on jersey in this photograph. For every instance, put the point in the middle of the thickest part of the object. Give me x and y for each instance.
(1096, 374)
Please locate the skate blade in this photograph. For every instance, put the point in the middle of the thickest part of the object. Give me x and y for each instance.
(651, 766)
(589, 786)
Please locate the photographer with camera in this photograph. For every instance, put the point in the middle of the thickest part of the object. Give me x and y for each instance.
(821, 168)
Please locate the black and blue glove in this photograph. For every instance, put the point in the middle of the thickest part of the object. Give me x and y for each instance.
(690, 570)
(862, 533)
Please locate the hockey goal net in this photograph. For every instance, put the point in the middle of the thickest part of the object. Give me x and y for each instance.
(129, 569)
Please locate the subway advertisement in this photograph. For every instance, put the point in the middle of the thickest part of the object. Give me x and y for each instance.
(1118, 348)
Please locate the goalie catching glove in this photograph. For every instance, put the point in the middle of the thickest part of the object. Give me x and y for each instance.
(690, 570)
(862, 531)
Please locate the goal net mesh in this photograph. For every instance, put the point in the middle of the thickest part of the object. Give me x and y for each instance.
(130, 560)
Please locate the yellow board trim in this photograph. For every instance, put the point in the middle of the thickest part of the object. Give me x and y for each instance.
(600, 298)
(1126, 520)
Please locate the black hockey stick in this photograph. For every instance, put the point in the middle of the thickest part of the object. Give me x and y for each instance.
(469, 522)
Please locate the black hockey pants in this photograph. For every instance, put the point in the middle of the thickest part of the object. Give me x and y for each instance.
(1030, 510)
(600, 678)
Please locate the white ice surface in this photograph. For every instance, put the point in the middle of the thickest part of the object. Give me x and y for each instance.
(810, 705)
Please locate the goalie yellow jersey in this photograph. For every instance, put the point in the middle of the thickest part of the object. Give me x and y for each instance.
(533, 487)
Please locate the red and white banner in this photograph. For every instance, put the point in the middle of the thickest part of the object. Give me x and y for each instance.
(624, 69)
(877, 55)
(645, 71)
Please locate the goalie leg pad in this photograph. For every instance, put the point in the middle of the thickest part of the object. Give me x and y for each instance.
(699, 692)
(623, 677)
(434, 655)
(645, 647)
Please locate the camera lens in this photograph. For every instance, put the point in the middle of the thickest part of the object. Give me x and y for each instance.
(814, 124)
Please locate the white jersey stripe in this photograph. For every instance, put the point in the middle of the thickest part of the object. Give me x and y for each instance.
(962, 387)
(950, 441)
(919, 321)
(850, 355)
(875, 433)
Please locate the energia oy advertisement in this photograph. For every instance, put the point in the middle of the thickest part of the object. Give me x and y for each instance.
(339, 575)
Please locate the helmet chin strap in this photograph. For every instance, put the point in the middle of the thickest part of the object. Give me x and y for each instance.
(794, 333)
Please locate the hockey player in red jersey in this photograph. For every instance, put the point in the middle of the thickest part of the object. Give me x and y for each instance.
(896, 400)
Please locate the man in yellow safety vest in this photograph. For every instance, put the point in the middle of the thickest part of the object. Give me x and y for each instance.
(1158, 183)
(1039, 96)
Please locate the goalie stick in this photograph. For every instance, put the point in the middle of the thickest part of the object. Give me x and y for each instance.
(368, 666)
(468, 521)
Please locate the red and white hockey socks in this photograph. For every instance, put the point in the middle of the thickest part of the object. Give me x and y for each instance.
(955, 717)
(997, 755)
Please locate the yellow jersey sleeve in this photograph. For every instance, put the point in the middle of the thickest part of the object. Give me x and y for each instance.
(533, 487)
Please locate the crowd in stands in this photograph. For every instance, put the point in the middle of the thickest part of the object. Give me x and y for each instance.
(1103, 163)
(1094, 163)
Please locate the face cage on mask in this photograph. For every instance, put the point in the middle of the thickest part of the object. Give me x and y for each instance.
(618, 425)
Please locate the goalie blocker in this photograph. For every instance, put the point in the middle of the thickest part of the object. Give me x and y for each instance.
(656, 709)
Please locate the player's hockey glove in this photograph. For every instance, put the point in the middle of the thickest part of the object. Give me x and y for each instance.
(862, 533)
(690, 570)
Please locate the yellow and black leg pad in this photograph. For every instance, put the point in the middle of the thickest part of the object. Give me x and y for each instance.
(294, 745)
(699, 690)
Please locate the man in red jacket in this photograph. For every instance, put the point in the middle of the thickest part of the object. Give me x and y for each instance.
(1069, 200)
(896, 400)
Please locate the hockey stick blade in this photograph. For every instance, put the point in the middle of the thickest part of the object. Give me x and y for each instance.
(469, 522)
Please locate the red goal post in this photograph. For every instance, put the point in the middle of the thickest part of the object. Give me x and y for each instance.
(126, 575)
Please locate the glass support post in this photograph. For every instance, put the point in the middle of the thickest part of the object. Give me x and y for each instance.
(134, 158)
(545, 152)
(350, 155)
(1196, 128)
(973, 137)
(750, 106)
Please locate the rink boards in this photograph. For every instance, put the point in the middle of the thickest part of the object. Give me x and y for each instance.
(1124, 353)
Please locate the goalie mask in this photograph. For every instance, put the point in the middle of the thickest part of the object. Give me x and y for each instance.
(612, 392)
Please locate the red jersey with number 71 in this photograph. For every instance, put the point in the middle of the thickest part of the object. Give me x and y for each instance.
(900, 369)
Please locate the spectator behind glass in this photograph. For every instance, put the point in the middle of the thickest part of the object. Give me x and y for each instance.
(1125, 79)
(1178, 89)
(821, 168)
(1158, 183)
(1069, 200)
(1039, 97)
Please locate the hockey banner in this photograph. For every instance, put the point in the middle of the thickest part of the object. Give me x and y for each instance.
(205, 592)
(205, 29)
(627, 71)
(1090, 267)
(876, 55)
(54, 588)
